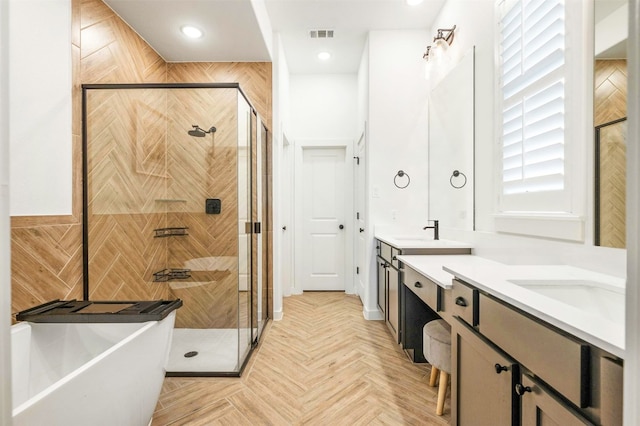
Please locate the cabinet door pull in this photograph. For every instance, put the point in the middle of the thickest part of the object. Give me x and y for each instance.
(500, 368)
(521, 390)
(460, 301)
(418, 284)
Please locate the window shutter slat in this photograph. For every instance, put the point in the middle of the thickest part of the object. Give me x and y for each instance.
(532, 46)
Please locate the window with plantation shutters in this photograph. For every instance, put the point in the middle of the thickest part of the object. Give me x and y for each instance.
(532, 87)
(542, 113)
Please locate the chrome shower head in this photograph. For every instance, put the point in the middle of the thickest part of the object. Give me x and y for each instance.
(199, 132)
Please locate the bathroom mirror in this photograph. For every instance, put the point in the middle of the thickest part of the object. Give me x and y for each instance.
(451, 147)
(610, 110)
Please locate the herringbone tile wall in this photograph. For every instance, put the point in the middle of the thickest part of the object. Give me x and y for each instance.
(47, 251)
(611, 104)
(323, 364)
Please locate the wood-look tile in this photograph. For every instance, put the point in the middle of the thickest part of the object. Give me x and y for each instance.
(322, 364)
(106, 50)
(97, 37)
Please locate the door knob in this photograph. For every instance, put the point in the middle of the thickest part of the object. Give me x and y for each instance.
(361, 229)
(341, 226)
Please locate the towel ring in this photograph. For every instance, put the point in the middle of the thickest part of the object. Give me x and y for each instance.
(455, 174)
(401, 174)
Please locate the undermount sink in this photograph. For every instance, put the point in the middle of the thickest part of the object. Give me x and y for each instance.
(587, 295)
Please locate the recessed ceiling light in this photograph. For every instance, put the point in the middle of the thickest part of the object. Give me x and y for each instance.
(323, 56)
(191, 31)
(414, 2)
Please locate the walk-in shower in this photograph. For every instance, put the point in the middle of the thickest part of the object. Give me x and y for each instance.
(168, 216)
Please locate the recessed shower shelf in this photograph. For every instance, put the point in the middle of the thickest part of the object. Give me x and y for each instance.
(170, 232)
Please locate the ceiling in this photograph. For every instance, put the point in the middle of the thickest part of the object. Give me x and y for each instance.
(232, 32)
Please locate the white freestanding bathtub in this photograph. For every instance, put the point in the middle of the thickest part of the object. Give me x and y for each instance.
(88, 373)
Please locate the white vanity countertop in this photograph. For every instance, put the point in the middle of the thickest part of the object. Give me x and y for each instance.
(431, 265)
(590, 316)
(409, 241)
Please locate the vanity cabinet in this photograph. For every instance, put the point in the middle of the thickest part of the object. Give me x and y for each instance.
(512, 368)
(483, 393)
(388, 291)
(397, 303)
(540, 407)
(382, 285)
(393, 302)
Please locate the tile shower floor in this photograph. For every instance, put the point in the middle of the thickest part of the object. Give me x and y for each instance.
(217, 349)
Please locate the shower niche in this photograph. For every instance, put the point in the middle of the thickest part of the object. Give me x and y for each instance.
(150, 173)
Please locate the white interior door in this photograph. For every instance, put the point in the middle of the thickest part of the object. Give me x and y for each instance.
(360, 256)
(322, 202)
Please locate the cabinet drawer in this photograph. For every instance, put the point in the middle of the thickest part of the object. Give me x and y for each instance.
(561, 361)
(423, 287)
(385, 251)
(465, 302)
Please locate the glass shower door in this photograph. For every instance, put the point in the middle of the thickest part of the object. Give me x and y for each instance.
(244, 228)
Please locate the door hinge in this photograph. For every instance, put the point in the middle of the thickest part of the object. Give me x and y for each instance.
(357, 270)
(257, 227)
(357, 215)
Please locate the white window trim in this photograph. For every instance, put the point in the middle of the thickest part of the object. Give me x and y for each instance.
(569, 222)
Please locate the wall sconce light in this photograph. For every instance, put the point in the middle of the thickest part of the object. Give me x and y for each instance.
(439, 39)
(425, 56)
(441, 43)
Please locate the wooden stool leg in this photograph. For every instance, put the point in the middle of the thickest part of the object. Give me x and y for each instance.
(434, 376)
(442, 392)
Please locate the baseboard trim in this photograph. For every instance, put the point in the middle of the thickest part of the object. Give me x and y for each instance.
(277, 315)
(372, 315)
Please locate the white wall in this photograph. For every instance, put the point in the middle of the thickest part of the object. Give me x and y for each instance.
(475, 27)
(397, 122)
(40, 107)
(631, 402)
(323, 106)
(363, 90)
(475, 22)
(5, 232)
(282, 240)
(397, 135)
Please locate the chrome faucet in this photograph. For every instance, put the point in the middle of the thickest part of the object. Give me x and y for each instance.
(436, 230)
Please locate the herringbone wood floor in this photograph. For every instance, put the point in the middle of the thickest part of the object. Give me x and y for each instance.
(323, 364)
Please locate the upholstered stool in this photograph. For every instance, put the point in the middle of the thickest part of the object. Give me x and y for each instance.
(436, 345)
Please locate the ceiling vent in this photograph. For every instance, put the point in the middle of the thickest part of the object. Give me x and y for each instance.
(321, 33)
